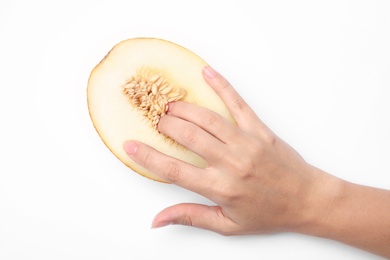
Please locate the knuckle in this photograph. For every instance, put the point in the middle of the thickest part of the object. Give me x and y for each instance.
(227, 194)
(269, 138)
(186, 221)
(225, 85)
(145, 159)
(240, 104)
(211, 119)
(244, 166)
(172, 171)
(190, 135)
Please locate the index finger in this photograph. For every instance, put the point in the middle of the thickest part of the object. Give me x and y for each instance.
(170, 169)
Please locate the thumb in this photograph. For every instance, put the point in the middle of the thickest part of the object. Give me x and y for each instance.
(196, 215)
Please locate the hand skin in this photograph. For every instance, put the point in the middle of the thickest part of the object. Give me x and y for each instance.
(258, 182)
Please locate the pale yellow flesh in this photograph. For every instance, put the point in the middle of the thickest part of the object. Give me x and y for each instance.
(117, 120)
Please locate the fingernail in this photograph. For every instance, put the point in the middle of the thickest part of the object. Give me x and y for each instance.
(170, 104)
(130, 147)
(209, 72)
(161, 224)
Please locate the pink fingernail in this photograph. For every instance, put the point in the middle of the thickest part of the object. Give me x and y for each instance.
(130, 147)
(170, 104)
(209, 72)
(162, 224)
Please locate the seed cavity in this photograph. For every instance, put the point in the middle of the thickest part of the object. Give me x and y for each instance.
(150, 94)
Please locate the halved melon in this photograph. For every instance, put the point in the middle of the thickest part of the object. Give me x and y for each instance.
(128, 91)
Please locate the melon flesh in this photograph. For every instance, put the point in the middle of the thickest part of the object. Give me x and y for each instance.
(114, 116)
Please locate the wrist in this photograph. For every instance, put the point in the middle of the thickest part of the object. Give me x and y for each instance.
(321, 198)
(349, 213)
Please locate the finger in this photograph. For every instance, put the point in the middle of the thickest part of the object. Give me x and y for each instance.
(191, 136)
(196, 215)
(237, 106)
(168, 168)
(208, 120)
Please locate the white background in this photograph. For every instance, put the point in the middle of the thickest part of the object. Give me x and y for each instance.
(317, 72)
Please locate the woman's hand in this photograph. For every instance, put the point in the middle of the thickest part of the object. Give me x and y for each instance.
(258, 182)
